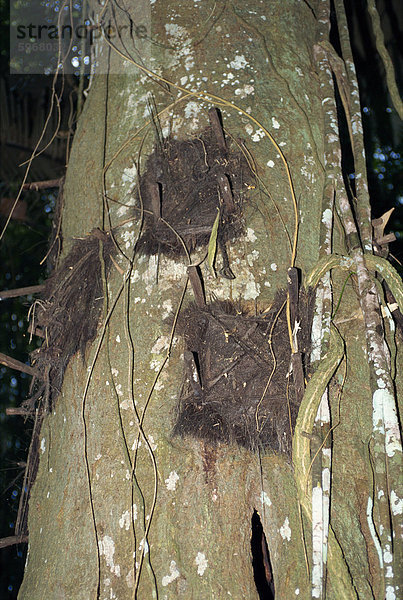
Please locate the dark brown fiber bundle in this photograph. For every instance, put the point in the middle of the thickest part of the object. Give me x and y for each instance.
(68, 314)
(241, 391)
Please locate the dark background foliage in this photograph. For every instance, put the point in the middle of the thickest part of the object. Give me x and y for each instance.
(24, 99)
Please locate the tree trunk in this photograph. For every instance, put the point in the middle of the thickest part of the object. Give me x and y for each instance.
(121, 507)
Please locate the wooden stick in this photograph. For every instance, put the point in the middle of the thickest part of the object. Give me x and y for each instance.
(37, 331)
(155, 193)
(296, 358)
(193, 373)
(226, 269)
(226, 193)
(41, 185)
(386, 239)
(196, 282)
(12, 540)
(298, 376)
(293, 290)
(216, 126)
(13, 363)
(18, 410)
(24, 291)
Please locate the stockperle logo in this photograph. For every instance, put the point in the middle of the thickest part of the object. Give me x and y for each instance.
(50, 35)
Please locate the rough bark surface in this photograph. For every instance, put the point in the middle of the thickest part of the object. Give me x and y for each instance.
(121, 508)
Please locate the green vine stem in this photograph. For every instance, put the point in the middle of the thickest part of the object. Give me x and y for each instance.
(374, 263)
(307, 413)
(317, 385)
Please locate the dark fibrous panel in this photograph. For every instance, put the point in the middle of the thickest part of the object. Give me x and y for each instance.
(183, 185)
(68, 313)
(245, 391)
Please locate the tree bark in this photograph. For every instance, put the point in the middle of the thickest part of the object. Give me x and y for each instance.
(120, 507)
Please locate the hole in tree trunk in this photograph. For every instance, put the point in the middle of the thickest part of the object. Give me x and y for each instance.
(262, 570)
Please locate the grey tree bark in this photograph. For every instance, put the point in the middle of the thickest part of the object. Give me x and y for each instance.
(120, 507)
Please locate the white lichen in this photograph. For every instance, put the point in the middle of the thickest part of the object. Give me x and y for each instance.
(107, 548)
(252, 290)
(160, 345)
(250, 235)
(258, 135)
(356, 126)
(201, 562)
(136, 444)
(143, 545)
(254, 255)
(385, 420)
(125, 520)
(171, 272)
(239, 62)
(167, 308)
(390, 593)
(389, 572)
(317, 541)
(246, 90)
(128, 237)
(152, 443)
(192, 109)
(130, 578)
(264, 499)
(327, 217)
(396, 503)
(285, 530)
(173, 574)
(171, 481)
(316, 331)
(181, 40)
(129, 175)
(387, 554)
(373, 532)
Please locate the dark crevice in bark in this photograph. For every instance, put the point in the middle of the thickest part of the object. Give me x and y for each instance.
(262, 570)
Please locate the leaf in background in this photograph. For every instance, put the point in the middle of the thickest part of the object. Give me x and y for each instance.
(212, 245)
